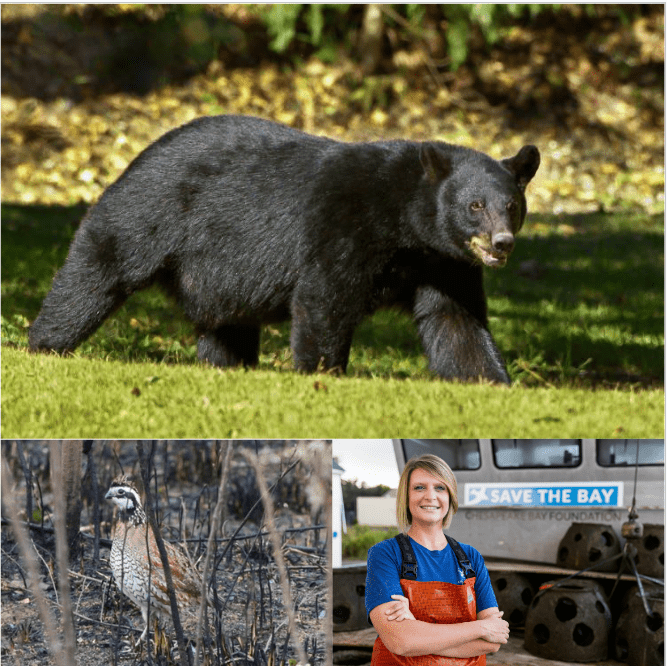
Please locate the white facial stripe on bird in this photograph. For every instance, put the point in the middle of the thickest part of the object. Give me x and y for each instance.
(124, 497)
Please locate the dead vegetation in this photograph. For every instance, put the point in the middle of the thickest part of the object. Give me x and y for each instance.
(269, 576)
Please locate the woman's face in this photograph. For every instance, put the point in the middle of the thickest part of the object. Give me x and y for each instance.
(428, 498)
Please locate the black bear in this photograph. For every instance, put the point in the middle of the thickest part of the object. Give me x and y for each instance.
(245, 222)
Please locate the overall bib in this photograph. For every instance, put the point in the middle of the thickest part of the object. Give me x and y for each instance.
(433, 602)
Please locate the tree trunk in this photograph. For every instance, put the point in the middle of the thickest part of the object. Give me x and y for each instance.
(67, 471)
(370, 42)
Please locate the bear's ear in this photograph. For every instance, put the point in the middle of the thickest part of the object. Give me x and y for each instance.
(523, 165)
(437, 165)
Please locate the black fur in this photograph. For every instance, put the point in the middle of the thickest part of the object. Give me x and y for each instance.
(246, 222)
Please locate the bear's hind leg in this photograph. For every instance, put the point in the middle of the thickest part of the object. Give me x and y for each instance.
(83, 295)
(320, 340)
(106, 263)
(229, 345)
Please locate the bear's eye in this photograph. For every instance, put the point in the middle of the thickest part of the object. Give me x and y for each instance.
(512, 206)
(477, 205)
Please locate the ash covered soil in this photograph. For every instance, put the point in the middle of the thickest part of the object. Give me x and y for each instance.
(107, 624)
(253, 620)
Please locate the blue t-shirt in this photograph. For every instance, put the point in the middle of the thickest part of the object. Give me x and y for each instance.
(384, 572)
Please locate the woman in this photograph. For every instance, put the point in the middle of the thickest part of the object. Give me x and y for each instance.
(445, 612)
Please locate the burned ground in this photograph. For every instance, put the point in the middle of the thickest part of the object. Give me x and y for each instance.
(252, 620)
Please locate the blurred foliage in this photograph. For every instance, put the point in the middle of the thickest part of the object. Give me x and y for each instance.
(194, 34)
(86, 87)
(322, 23)
(360, 538)
(325, 24)
(326, 27)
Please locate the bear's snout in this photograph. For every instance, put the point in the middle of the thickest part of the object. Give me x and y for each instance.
(502, 242)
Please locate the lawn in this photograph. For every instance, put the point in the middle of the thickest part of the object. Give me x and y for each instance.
(577, 314)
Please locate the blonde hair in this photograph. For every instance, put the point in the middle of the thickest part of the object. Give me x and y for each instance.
(441, 470)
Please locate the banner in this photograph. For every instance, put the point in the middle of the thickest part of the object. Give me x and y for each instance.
(590, 494)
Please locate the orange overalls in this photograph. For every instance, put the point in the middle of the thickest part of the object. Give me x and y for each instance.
(434, 602)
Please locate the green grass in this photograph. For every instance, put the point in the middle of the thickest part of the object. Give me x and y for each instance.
(577, 314)
(359, 538)
(47, 396)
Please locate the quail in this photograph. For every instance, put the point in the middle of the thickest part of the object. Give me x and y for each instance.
(135, 557)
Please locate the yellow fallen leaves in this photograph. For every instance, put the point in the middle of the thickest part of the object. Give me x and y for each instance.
(609, 156)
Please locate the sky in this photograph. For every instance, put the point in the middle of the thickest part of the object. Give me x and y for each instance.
(369, 460)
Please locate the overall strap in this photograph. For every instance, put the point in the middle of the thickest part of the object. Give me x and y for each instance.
(464, 562)
(409, 561)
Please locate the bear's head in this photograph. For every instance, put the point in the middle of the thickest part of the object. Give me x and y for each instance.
(480, 202)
